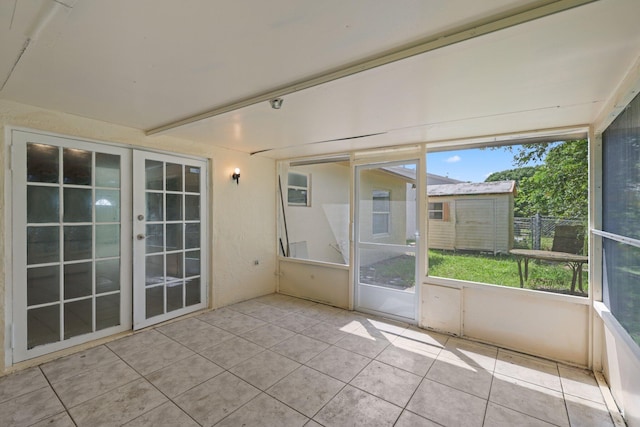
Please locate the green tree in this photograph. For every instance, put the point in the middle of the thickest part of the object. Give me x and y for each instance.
(559, 187)
(512, 174)
(520, 203)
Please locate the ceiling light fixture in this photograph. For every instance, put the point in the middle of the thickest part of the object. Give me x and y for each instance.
(276, 103)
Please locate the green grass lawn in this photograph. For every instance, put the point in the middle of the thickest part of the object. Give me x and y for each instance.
(399, 272)
(501, 270)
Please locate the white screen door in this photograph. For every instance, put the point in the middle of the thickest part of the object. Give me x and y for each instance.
(169, 222)
(386, 247)
(71, 242)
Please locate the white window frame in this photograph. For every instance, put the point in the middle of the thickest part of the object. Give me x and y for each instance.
(307, 189)
(433, 211)
(375, 213)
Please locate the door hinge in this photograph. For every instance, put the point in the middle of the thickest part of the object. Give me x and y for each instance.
(13, 336)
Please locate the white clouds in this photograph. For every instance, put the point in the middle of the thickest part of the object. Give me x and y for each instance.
(453, 159)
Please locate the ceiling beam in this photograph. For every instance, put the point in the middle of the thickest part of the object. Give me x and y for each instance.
(479, 28)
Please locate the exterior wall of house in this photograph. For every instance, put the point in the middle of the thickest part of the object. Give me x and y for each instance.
(493, 233)
(240, 233)
(376, 180)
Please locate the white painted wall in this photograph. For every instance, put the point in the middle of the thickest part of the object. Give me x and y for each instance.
(240, 233)
(328, 284)
(621, 365)
(546, 325)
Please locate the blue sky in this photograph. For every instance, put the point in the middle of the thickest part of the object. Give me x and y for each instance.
(473, 165)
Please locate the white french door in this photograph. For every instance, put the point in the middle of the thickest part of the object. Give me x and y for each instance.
(104, 239)
(71, 252)
(169, 246)
(386, 243)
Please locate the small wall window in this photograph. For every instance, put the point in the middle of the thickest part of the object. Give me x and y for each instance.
(436, 210)
(381, 211)
(298, 189)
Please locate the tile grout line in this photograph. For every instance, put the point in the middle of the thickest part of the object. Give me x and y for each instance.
(57, 397)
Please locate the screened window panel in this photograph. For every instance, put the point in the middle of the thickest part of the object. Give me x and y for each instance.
(621, 174)
(621, 216)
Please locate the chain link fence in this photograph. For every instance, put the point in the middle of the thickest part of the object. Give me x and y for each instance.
(537, 232)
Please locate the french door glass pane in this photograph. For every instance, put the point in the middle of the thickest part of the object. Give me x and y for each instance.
(155, 270)
(192, 236)
(107, 311)
(78, 242)
(174, 296)
(154, 173)
(155, 207)
(107, 275)
(77, 205)
(192, 261)
(192, 291)
(174, 207)
(174, 177)
(43, 285)
(155, 238)
(174, 236)
(78, 317)
(77, 166)
(192, 207)
(43, 245)
(42, 163)
(154, 301)
(77, 280)
(43, 325)
(174, 266)
(107, 206)
(107, 170)
(192, 179)
(107, 241)
(43, 204)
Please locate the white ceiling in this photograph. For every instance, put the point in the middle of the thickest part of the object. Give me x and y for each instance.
(146, 63)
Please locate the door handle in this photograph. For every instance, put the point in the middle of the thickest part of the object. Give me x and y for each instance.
(140, 237)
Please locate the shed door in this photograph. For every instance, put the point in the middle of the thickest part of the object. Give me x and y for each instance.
(476, 225)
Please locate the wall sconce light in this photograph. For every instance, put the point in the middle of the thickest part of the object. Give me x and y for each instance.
(236, 176)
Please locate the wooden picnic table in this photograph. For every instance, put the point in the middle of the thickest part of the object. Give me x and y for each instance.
(575, 262)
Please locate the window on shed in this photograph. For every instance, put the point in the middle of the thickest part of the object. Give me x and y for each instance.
(381, 211)
(439, 211)
(298, 189)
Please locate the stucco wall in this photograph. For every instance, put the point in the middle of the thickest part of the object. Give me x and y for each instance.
(242, 216)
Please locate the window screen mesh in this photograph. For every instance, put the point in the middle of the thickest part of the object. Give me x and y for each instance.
(621, 216)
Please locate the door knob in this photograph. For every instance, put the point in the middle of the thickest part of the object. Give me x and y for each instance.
(140, 236)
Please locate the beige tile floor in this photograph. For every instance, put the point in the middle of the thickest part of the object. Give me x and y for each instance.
(282, 361)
